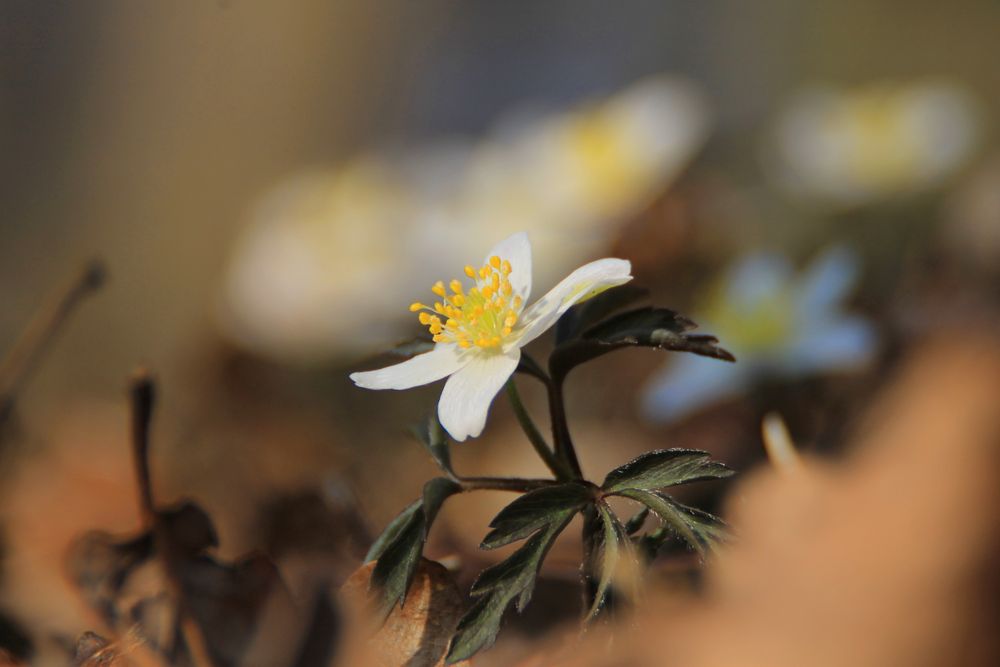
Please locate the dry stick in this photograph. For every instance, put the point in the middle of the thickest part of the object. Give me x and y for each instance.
(143, 397)
(28, 350)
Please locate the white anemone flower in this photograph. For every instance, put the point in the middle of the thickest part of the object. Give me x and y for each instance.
(479, 331)
(856, 146)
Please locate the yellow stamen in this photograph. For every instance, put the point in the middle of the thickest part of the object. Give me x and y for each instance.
(483, 316)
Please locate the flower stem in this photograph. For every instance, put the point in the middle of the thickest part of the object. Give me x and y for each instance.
(564, 449)
(557, 466)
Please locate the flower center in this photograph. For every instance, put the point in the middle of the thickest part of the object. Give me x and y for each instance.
(482, 316)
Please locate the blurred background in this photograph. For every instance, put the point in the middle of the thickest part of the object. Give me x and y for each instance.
(270, 185)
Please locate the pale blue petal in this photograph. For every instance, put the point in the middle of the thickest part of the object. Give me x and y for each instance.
(691, 382)
(827, 282)
(843, 344)
(755, 278)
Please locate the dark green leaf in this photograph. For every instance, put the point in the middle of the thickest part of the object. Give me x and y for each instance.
(436, 491)
(400, 545)
(497, 587)
(432, 435)
(633, 525)
(412, 347)
(585, 315)
(395, 568)
(699, 529)
(658, 328)
(395, 527)
(665, 467)
(534, 510)
(613, 541)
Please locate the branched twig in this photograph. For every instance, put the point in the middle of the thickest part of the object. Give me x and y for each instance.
(29, 348)
(143, 396)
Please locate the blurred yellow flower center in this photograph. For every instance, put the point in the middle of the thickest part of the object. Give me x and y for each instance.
(482, 317)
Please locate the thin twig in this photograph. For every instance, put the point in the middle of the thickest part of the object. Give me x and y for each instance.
(24, 356)
(142, 391)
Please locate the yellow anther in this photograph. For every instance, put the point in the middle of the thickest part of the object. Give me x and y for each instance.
(487, 292)
(424, 318)
(495, 341)
(506, 331)
(484, 271)
(477, 311)
(506, 288)
(440, 338)
(495, 282)
(464, 344)
(451, 323)
(439, 288)
(469, 271)
(518, 301)
(415, 306)
(483, 342)
(455, 286)
(458, 300)
(505, 267)
(439, 308)
(495, 262)
(510, 320)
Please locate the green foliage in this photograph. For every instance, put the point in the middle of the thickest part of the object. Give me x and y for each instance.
(400, 545)
(657, 328)
(613, 541)
(533, 511)
(432, 436)
(665, 467)
(498, 585)
(700, 530)
(582, 316)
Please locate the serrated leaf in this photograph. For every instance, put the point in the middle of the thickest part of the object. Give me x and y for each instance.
(613, 540)
(395, 527)
(432, 436)
(585, 315)
(699, 529)
(665, 467)
(399, 547)
(394, 570)
(497, 587)
(436, 491)
(658, 328)
(534, 510)
(633, 525)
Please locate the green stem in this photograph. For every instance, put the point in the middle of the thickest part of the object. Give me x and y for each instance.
(517, 484)
(558, 468)
(565, 451)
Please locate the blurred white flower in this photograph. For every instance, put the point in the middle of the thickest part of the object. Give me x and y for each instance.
(854, 146)
(776, 323)
(479, 332)
(327, 259)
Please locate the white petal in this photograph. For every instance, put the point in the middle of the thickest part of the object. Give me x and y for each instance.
(516, 249)
(468, 393)
(425, 368)
(587, 281)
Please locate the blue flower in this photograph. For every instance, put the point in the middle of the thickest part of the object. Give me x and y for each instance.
(777, 323)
